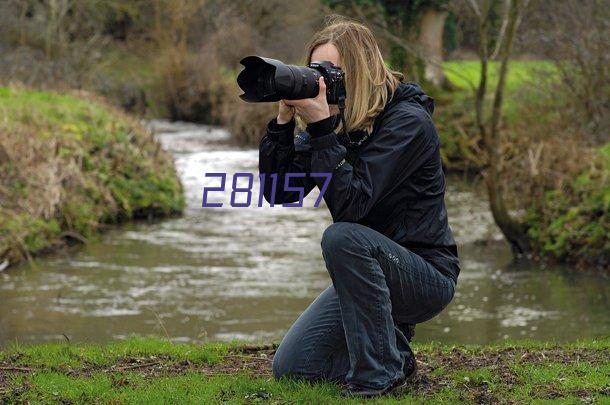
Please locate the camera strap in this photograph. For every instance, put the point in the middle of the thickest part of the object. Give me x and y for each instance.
(345, 134)
(341, 105)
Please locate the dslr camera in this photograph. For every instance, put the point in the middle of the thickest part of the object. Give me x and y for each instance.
(266, 80)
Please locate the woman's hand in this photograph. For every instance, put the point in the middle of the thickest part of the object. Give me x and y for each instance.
(285, 113)
(312, 109)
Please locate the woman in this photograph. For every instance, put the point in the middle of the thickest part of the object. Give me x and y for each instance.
(390, 252)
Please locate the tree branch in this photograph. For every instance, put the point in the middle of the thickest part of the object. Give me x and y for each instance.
(475, 7)
(413, 49)
(500, 39)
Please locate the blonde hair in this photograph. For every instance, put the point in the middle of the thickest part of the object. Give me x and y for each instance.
(369, 82)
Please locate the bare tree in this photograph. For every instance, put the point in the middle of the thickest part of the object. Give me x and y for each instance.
(574, 35)
(489, 127)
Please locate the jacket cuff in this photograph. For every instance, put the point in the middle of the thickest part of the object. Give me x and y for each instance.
(282, 133)
(323, 127)
(323, 142)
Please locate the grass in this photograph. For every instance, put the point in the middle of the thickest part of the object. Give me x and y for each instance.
(149, 370)
(465, 74)
(70, 163)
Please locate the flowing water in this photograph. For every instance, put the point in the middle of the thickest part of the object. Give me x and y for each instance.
(223, 273)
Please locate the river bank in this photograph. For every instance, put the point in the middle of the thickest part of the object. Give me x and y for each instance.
(71, 163)
(150, 370)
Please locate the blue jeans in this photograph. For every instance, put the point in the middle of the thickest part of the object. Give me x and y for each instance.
(354, 331)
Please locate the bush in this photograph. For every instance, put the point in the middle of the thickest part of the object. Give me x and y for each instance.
(69, 163)
(572, 224)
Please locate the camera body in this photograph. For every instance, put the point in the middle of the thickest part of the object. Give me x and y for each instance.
(334, 78)
(267, 80)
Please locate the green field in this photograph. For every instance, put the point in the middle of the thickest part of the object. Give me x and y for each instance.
(146, 370)
(465, 74)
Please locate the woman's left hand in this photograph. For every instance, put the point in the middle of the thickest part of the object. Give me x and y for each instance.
(312, 109)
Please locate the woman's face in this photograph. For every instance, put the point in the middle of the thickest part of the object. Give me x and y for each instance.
(327, 52)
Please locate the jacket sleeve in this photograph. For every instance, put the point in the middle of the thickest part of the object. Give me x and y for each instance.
(278, 155)
(405, 140)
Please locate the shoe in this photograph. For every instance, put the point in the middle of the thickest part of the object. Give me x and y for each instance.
(410, 373)
(408, 329)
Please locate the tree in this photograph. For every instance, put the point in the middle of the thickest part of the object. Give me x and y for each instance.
(414, 29)
(430, 40)
(489, 128)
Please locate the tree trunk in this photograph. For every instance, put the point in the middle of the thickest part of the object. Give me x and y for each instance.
(513, 229)
(431, 43)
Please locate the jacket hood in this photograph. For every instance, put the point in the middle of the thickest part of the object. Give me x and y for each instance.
(412, 92)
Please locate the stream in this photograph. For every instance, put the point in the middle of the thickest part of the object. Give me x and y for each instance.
(247, 273)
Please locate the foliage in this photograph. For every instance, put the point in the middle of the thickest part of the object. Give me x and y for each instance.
(450, 40)
(573, 223)
(564, 193)
(160, 58)
(147, 370)
(401, 22)
(454, 113)
(69, 163)
(405, 12)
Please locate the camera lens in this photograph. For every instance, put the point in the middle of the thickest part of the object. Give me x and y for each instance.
(265, 79)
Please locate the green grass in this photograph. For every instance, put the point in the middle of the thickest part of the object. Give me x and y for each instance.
(148, 370)
(466, 74)
(58, 355)
(70, 162)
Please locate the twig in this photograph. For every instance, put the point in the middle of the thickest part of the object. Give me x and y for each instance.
(161, 324)
(74, 235)
(475, 8)
(138, 366)
(500, 39)
(15, 368)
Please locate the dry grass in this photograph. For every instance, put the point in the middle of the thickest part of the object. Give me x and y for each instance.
(69, 163)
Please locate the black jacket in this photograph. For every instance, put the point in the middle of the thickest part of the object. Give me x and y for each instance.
(393, 182)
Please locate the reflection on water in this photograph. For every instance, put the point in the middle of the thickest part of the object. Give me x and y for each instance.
(222, 273)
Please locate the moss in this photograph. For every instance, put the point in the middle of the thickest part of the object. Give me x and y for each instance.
(72, 162)
(573, 223)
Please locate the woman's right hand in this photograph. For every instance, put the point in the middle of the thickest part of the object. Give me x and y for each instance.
(285, 114)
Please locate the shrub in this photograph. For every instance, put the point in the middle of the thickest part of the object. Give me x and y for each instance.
(572, 223)
(69, 163)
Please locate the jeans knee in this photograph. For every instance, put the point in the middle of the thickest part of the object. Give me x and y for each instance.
(290, 362)
(283, 363)
(278, 368)
(336, 236)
